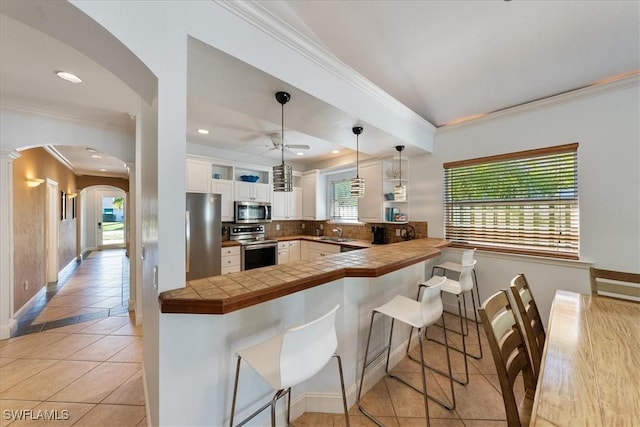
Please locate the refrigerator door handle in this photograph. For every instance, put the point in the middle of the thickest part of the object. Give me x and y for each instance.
(188, 239)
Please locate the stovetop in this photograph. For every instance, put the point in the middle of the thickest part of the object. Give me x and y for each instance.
(249, 234)
(256, 241)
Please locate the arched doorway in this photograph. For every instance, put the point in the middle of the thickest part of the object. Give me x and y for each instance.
(61, 21)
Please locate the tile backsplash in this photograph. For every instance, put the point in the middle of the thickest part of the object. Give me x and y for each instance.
(359, 232)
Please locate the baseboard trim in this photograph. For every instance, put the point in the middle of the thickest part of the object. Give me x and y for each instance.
(7, 330)
(147, 411)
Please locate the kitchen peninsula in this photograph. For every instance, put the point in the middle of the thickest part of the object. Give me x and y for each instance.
(206, 322)
(224, 294)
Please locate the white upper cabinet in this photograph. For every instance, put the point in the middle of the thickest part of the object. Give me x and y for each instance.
(370, 207)
(258, 191)
(252, 191)
(198, 174)
(225, 189)
(314, 203)
(288, 205)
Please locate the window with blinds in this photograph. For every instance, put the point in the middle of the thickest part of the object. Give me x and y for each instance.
(344, 207)
(524, 202)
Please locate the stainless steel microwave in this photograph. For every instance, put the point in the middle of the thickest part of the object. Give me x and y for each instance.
(252, 212)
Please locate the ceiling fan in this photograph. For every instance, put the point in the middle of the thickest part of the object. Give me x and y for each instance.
(276, 141)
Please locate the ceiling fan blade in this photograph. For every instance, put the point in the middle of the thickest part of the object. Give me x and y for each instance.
(266, 151)
(297, 146)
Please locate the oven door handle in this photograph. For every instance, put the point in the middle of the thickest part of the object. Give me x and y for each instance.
(259, 246)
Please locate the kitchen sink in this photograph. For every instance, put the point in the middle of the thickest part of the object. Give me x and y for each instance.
(333, 239)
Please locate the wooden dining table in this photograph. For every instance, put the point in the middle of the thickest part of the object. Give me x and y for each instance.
(590, 372)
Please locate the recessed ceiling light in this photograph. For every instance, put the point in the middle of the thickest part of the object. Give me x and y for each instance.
(335, 151)
(300, 154)
(203, 131)
(70, 77)
(91, 150)
(96, 156)
(103, 170)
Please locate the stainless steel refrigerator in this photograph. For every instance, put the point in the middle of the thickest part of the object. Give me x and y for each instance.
(203, 231)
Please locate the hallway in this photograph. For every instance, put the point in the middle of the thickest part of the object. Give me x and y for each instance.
(77, 355)
(96, 288)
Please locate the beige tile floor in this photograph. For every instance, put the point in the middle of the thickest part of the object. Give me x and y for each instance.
(478, 404)
(84, 374)
(89, 373)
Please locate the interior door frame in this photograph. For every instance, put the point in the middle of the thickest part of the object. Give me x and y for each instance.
(52, 224)
(98, 208)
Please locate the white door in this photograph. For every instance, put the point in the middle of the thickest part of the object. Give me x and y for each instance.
(110, 212)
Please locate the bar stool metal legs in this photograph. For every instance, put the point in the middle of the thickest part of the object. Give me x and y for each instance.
(418, 315)
(387, 348)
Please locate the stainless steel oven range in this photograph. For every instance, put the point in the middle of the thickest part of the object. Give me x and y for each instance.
(256, 251)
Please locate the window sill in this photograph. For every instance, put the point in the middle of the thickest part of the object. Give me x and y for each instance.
(538, 259)
(356, 223)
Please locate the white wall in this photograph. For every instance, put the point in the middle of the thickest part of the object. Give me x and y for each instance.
(605, 123)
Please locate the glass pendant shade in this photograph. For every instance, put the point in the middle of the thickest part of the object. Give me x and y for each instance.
(400, 193)
(282, 178)
(282, 174)
(357, 187)
(357, 183)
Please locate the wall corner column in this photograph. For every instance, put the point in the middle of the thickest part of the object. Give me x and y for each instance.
(7, 323)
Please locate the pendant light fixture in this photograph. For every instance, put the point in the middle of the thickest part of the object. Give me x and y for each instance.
(357, 183)
(282, 174)
(400, 190)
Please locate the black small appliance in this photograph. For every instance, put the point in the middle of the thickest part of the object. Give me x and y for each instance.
(378, 235)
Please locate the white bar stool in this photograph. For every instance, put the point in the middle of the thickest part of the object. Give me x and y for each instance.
(460, 288)
(416, 314)
(466, 259)
(291, 358)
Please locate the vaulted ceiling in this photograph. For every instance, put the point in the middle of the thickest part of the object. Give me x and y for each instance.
(448, 61)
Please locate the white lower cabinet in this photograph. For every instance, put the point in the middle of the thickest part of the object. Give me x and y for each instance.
(294, 250)
(288, 251)
(230, 260)
(314, 250)
(283, 252)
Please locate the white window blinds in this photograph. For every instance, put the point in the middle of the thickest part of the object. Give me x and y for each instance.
(344, 207)
(525, 202)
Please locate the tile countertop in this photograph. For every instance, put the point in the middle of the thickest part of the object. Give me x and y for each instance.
(231, 292)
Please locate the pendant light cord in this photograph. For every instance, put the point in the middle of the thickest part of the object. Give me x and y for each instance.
(357, 156)
(282, 134)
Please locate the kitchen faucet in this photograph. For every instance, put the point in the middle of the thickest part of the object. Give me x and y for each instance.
(339, 231)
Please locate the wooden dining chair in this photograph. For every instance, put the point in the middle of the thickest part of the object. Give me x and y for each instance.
(531, 320)
(510, 356)
(615, 284)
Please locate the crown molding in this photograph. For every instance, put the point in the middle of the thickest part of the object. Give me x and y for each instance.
(10, 155)
(58, 156)
(261, 18)
(59, 116)
(584, 92)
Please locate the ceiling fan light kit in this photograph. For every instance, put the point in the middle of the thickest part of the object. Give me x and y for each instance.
(357, 183)
(282, 173)
(400, 190)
